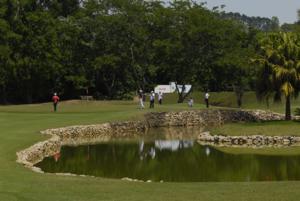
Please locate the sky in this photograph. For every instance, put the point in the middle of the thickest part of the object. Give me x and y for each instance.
(285, 10)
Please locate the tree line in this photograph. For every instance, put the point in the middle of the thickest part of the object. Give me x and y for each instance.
(111, 48)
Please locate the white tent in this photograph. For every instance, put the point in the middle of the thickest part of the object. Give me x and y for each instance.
(171, 88)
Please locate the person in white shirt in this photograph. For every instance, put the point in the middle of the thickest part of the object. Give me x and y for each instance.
(152, 99)
(191, 102)
(206, 97)
(141, 101)
(160, 97)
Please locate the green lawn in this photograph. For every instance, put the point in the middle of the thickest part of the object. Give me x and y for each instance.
(20, 126)
(228, 99)
(262, 128)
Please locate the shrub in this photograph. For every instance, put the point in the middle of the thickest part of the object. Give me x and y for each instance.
(297, 111)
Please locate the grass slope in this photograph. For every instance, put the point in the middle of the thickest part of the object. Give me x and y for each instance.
(228, 99)
(20, 126)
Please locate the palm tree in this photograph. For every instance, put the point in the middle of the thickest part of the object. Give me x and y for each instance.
(280, 72)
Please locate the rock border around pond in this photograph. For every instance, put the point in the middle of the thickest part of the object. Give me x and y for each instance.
(252, 141)
(75, 135)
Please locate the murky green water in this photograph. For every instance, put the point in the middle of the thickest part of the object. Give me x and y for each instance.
(170, 160)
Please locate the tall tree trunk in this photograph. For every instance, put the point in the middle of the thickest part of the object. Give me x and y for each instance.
(288, 108)
(3, 95)
(181, 95)
(28, 92)
(135, 73)
(239, 92)
(268, 102)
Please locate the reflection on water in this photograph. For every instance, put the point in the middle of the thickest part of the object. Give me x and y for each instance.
(171, 145)
(170, 160)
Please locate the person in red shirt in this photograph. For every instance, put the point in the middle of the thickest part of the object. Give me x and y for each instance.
(55, 100)
(56, 156)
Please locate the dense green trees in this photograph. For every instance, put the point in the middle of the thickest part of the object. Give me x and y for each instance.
(111, 48)
(260, 23)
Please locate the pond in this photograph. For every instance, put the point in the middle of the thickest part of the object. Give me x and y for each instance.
(170, 158)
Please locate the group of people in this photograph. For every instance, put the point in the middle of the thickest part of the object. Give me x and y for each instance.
(206, 97)
(142, 98)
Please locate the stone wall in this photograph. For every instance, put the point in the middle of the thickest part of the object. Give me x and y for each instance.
(38, 152)
(208, 117)
(104, 132)
(120, 129)
(247, 141)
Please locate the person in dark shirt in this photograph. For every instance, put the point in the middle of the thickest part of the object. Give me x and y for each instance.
(55, 100)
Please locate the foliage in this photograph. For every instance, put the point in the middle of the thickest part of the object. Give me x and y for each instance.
(297, 111)
(111, 48)
(280, 72)
(260, 23)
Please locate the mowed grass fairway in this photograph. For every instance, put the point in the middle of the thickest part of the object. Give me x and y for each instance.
(20, 126)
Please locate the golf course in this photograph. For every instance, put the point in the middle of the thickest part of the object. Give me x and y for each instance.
(149, 100)
(20, 126)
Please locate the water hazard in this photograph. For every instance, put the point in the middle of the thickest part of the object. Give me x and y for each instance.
(170, 160)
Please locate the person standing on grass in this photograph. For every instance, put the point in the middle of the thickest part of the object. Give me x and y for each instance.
(141, 99)
(191, 102)
(152, 99)
(160, 97)
(55, 100)
(206, 97)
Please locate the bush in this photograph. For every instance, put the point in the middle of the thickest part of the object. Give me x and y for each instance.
(297, 111)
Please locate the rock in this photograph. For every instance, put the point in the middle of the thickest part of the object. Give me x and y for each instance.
(126, 179)
(247, 141)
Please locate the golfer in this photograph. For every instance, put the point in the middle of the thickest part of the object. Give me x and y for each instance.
(55, 100)
(206, 97)
(160, 97)
(152, 99)
(141, 99)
